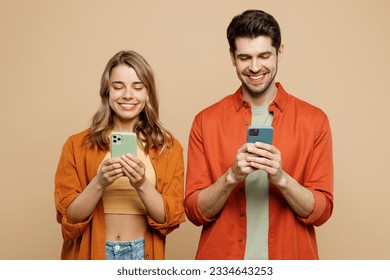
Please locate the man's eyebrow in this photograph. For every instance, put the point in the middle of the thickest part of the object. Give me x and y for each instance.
(242, 55)
(259, 54)
(265, 53)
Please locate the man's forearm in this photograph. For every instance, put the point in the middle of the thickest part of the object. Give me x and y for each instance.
(300, 199)
(212, 199)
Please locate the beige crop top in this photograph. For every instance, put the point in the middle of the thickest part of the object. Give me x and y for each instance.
(121, 198)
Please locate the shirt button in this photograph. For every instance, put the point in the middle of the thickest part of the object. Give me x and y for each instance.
(240, 239)
(245, 104)
(146, 256)
(246, 123)
(159, 180)
(242, 213)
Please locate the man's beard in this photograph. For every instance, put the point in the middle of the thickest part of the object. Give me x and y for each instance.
(255, 91)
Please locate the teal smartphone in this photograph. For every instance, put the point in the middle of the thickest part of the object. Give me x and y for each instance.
(263, 134)
(123, 143)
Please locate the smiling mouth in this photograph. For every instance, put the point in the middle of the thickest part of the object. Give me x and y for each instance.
(127, 106)
(256, 78)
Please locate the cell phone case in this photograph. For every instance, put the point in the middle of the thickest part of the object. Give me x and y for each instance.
(260, 134)
(123, 143)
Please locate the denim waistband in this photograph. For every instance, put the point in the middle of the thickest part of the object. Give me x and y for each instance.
(125, 250)
(130, 243)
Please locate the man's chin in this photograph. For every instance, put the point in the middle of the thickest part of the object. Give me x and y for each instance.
(254, 91)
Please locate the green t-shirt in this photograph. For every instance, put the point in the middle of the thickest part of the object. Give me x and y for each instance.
(257, 190)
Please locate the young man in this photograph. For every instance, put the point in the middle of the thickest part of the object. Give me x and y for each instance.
(259, 201)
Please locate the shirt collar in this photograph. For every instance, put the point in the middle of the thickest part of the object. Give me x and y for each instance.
(239, 101)
(279, 102)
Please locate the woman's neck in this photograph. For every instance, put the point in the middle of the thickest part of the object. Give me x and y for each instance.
(121, 126)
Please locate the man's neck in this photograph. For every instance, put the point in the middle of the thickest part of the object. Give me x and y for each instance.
(264, 98)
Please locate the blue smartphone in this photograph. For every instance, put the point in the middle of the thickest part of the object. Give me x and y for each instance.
(123, 143)
(263, 134)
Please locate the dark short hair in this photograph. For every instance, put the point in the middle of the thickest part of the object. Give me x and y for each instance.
(251, 24)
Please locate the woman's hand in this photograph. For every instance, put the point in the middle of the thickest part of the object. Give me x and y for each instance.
(110, 170)
(84, 204)
(134, 169)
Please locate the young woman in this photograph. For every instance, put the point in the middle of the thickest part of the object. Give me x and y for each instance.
(121, 207)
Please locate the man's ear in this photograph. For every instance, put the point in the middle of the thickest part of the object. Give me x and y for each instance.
(280, 53)
(232, 57)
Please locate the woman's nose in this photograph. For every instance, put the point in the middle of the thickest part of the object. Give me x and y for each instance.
(128, 93)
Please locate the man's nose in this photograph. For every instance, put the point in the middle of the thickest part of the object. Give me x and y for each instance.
(255, 66)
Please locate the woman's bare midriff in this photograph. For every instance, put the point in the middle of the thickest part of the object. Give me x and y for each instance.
(124, 227)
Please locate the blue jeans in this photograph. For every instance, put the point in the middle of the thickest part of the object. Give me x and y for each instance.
(125, 250)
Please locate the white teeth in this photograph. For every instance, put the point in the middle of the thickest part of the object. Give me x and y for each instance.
(127, 106)
(256, 77)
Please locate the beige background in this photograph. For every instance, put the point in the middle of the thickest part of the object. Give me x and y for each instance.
(52, 54)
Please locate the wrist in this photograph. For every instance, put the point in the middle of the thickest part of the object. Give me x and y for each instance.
(229, 178)
(95, 185)
(142, 186)
(282, 181)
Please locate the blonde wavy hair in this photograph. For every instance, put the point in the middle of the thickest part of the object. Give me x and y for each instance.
(149, 129)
